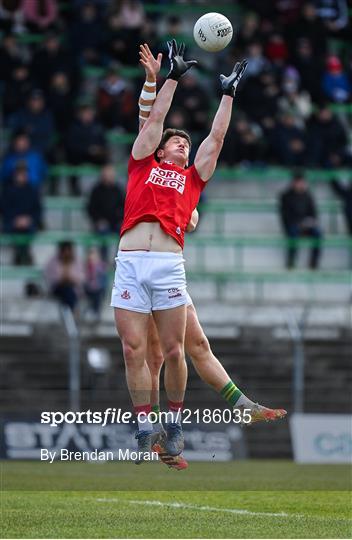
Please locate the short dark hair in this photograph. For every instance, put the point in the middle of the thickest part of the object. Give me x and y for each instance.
(172, 132)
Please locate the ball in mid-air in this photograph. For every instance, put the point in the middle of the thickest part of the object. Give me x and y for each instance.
(212, 32)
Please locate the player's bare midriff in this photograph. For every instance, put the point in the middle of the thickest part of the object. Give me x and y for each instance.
(149, 237)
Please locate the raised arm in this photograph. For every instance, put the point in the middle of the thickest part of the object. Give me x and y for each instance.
(149, 137)
(208, 152)
(146, 101)
(148, 94)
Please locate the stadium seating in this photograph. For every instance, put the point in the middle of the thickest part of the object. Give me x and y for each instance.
(227, 258)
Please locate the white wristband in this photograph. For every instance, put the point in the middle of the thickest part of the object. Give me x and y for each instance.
(145, 108)
(148, 96)
(149, 84)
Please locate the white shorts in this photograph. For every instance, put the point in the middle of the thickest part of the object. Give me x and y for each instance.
(148, 281)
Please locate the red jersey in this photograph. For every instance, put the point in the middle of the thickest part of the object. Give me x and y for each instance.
(161, 192)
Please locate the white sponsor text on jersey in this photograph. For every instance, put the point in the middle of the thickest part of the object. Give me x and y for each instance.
(167, 178)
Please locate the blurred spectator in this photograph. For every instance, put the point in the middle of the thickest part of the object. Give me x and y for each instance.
(195, 103)
(242, 144)
(21, 210)
(256, 59)
(149, 33)
(288, 12)
(327, 139)
(248, 31)
(267, 26)
(276, 50)
(116, 101)
(310, 27)
(294, 101)
(309, 67)
(86, 34)
(60, 97)
(299, 218)
(85, 142)
(116, 46)
(130, 13)
(174, 29)
(335, 83)
(259, 96)
(10, 56)
(126, 19)
(39, 15)
(21, 150)
(269, 127)
(65, 275)
(52, 57)
(37, 120)
(17, 89)
(344, 193)
(105, 204)
(289, 141)
(95, 282)
(60, 100)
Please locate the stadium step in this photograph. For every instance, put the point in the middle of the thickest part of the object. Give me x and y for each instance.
(218, 216)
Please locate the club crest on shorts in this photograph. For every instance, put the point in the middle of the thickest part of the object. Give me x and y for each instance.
(174, 292)
(126, 295)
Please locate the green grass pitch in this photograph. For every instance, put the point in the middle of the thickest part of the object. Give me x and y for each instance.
(251, 499)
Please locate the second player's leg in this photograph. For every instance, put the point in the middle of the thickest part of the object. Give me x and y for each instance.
(212, 372)
(198, 349)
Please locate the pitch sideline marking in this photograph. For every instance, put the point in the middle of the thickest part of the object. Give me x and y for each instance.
(203, 508)
(236, 511)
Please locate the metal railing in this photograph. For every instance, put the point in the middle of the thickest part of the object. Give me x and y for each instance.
(296, 327)
(74, 356)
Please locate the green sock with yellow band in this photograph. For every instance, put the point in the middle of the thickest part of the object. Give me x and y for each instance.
(231, 393)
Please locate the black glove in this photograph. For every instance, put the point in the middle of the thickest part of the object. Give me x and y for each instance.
(178, 66)
(229, 84)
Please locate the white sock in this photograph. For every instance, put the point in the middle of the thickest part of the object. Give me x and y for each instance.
(243, 401)
(144, 424)
(157, 427)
